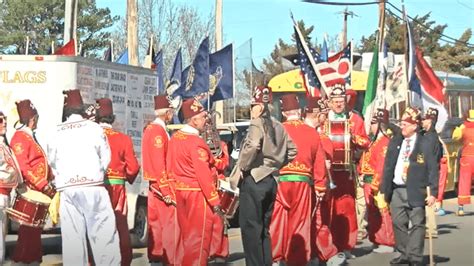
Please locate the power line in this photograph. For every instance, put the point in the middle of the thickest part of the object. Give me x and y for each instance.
(451, 39)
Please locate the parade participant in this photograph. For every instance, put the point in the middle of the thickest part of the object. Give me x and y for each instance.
(36, 176)
(163, 236)
(123, 167)
(465, 133)
(290, 227)
(9, 178)
(190, 162)
(380, 230)
(409, 167)
(220, 242)
(79, 157)
(323, 246)
(266, 148)
(343, 216)
(428, 124)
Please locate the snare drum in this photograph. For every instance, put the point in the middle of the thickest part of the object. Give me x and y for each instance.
(338, 132)
(30, 208)
(229, 198)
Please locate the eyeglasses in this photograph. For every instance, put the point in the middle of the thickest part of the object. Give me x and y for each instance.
(3, 119)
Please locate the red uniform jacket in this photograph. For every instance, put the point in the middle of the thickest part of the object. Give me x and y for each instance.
(31, 159)
(310, 158)
(190, 163)
(124, 163)
(468, 139)
(222, 162)
(154, 149)
(372, 161)
(326, 145)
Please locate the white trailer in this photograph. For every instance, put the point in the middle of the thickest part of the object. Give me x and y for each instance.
(42, 78)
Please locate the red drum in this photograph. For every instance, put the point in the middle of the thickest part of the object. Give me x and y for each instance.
(339, 133)
(30, 208)
(229, 198)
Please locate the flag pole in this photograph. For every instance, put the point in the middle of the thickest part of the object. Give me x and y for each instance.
(233, 84)
(112, 50)
(27, 44)
(52, 47)
(405, 32)
(310, 56)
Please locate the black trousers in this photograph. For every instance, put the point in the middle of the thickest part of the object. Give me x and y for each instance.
(410, 241)
(255, 212)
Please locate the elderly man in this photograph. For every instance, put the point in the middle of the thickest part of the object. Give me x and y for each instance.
(190, 162)
(163, 237)
(290, 228)
(79, 157)
(266, 148)
(123, 167)
(36, 174)
(410, 166)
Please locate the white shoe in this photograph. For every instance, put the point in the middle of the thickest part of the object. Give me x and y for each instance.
(337, 259)
(383, 249)
(348, 255)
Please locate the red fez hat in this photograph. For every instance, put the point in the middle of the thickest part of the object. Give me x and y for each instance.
(262, 94)
(337, 91)
(412, 115)
(73, 99)
(315, 105)
(26, 110)
(289, 102)
(431, 113)
(104, 107)
(162, 102)
(380, 116)
(191, 107)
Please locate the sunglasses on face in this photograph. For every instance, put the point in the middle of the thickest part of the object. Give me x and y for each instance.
(3, 119)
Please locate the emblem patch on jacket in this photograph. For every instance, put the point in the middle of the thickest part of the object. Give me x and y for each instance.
(420, 159)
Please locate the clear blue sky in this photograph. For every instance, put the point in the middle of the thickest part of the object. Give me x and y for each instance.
(268, 20)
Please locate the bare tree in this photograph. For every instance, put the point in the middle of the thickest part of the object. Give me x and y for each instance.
(172, 26)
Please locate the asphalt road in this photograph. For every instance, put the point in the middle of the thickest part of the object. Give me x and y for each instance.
(454, 246)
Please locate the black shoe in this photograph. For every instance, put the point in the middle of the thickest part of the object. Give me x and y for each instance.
(399, 260)
(417, 264)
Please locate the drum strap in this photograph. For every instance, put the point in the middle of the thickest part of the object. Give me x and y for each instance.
(295, 178)
(114, 181)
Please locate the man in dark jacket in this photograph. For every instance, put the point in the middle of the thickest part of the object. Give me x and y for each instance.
(410, 166)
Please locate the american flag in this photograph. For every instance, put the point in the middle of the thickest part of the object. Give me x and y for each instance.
(338, 68)
(311, 81)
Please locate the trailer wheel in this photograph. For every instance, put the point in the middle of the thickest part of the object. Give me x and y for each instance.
(140, 231)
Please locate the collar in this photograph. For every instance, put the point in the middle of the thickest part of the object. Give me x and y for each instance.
(27, 130)
(105, 125)
(74, 118)
(190, 130)
(160, 122)
(332, 115)
(412, 138)
(309, 122)
(292, 118)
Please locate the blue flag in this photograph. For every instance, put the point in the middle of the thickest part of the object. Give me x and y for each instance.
(221, 79)
(175, 76)
(123, 58)
(158, 62)
(108, 54)
(195, 78)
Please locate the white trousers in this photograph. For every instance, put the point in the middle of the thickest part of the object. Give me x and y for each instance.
(4, 203)
(88, 211)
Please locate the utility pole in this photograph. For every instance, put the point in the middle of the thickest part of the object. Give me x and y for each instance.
(381, 22)
(219, 105)
(345, 13)
(132, 34)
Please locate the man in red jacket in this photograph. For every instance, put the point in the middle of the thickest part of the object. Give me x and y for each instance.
(123, 167)
(190, 161)
(380, 230)
(290, 227)
(164, 234)
(343, 196)
(36, 175)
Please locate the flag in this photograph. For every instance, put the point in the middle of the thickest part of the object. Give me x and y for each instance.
(324, 51)
(337, 69)
(396, 86)
(195, 78)
(311, 81)
(431, 89)
(69, 49)
(123, 58)
(172, 88)
(371, 89)
(221, 78)
(108, 54)
(158, 62)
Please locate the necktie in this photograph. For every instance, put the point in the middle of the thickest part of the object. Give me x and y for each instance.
(406, 162)
(340, 115)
